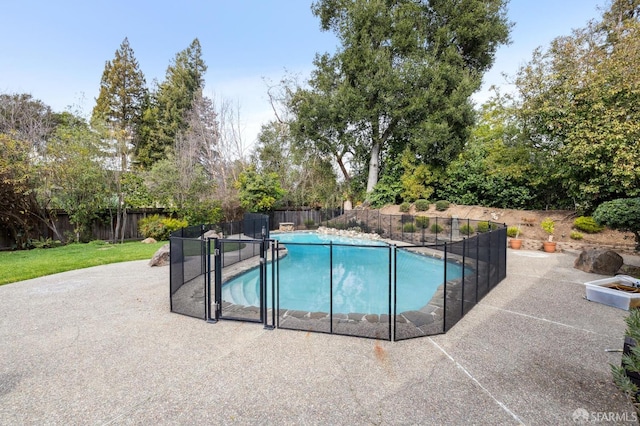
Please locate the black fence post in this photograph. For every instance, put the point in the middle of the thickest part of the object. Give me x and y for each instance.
(207, 299)
(464, 253)
(477, 266)
(444, 298)
(331, 287)
(274, 254)
(393, 284)
(218, 277)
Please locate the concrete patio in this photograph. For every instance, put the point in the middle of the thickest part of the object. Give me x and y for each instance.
(99, 346)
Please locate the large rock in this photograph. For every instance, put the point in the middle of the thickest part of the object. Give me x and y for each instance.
(149, 241)
(599, 261)
(211, 234)
(161, 257)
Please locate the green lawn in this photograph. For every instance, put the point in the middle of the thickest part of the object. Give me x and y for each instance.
(26, 264)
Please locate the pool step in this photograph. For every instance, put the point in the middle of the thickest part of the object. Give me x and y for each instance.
(251, 292)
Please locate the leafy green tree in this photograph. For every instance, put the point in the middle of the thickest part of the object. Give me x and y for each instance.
(307, 179)
(76, 180)
(19, 207)
(25, 126)
(165, 114)
(498, 168)
(258, 192)
(579, 106)
(118, 110)
(622, 214)
(136, 193)
(417, 179)
(404, 72)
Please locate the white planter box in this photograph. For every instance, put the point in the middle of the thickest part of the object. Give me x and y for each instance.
(598, 292)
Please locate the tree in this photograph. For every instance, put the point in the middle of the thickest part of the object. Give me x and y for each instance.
(166, 112)
(579, 103)
(25, 126)
(119, 109)
(75, 179)
(19, 208)
(498, 168)
(258, 192)
(307, 179)
(26, 119)
(622, 214)
(403, 75)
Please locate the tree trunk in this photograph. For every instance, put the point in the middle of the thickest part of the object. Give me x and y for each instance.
(343, 169)
(374, 167)
(123, 228)
(118, 219)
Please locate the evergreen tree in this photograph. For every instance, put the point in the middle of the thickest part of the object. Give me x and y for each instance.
(166, 112)
(122, 94)
(404, 72)
(118, 111)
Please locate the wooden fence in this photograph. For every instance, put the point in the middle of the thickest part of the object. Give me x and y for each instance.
(100, 229)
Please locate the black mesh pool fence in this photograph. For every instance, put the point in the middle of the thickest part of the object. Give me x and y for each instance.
(471, 255)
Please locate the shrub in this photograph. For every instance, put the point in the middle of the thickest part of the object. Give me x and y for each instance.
(483, 226)
(421, 205)
(309, 223)
(513, 231)
(575, 235)
(622, 214)
(466, 229)
(409, 227)
(630, 360)
(442, 205)
(436, 228)
(422, 222)
(404, 207)
(548, 225)
(158, 227)
(44, 243)
(587, 224)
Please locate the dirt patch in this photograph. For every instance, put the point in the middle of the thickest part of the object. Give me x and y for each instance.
(529, 222)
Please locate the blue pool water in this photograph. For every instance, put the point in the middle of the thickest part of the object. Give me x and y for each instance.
(361, 276)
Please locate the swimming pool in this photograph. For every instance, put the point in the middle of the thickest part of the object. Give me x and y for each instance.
(361, 273)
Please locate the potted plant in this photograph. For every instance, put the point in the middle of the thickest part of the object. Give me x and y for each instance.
(548, 226)
(514, 233)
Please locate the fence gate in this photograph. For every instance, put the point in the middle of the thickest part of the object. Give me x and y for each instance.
(237, 288)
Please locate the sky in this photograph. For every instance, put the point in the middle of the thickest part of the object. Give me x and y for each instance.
(56, 50)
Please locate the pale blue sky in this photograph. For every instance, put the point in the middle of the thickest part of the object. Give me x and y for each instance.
(56, 50)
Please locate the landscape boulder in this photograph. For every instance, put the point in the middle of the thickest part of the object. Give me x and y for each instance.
(599, 261)
(211, 234)
(149, 241)
(161, 257)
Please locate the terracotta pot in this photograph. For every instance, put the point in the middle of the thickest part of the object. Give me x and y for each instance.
(549, 246)
(515, 243)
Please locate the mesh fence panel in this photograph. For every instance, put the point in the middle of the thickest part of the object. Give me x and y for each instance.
(419, 292)
(188, 277)
(308, 309)
(455, 279)
(241, 287)
(361, 297)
